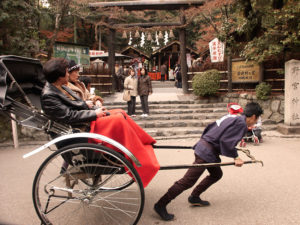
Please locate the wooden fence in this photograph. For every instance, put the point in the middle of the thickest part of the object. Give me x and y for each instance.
(101, 80)
(272, 76)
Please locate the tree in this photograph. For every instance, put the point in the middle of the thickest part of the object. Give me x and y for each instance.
(277, 29)
(19, 27)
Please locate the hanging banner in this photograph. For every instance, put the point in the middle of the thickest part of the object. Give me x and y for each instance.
(189, 60)
(216, 49)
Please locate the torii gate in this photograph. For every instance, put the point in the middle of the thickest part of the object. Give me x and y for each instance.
(151, 5)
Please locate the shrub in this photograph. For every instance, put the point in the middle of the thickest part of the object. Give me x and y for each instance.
(263, 91)
(207, 83)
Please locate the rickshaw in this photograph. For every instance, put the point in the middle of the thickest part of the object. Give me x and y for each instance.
(100, 185)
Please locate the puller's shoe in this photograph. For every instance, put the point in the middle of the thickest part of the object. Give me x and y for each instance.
(163, 213)
(196, 201)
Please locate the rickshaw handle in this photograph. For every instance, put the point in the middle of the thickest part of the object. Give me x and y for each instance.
(206, 165)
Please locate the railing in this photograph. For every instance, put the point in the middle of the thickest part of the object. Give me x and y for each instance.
(101, 82)
(277, 83)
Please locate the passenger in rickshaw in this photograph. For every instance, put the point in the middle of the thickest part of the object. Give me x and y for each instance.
(218, 138)
(61, 104)
(79, 87)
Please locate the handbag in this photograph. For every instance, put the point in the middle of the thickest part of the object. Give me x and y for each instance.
(126, 95)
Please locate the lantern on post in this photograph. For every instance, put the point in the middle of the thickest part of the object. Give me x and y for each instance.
(171, 34)
(124, 34)
(149, 37)
(137, 34)
(160, 35)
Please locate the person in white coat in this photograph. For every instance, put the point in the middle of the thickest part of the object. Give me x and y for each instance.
(131, 84)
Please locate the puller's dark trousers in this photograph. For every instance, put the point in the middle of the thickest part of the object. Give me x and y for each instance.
(189, 179)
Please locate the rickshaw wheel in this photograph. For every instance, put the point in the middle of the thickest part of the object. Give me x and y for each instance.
(100, 186)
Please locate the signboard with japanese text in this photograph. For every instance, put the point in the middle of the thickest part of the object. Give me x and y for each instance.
(78, 53)
(216, 49)
(245, 72)
(96, 52)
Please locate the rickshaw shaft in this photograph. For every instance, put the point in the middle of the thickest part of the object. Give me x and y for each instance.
(204, 165)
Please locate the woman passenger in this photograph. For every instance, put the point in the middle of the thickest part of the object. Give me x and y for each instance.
(79, 87)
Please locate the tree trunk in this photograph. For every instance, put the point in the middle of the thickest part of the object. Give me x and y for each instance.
(229, 72)
(53, 38)
(111, 57)
(182, 39)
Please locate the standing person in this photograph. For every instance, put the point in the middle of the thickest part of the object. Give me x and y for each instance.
(178, 76)
(131, 83)
(163, 71)
(144, 90)
(121, 77)
(218, 138)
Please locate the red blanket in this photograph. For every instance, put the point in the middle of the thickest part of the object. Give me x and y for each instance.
(121, 128)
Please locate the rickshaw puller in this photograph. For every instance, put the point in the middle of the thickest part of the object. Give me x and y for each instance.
(218, 138)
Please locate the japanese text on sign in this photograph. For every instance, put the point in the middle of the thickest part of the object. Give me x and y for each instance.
(216, 49)
(78, 53)
(96, 52)
(243, 72)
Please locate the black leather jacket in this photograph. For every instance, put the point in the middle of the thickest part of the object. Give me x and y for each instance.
(60, 108)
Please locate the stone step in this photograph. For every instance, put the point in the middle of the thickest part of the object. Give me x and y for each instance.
(172, 106)
(179, 111)
(190, 132)
(164, 85)
(190, 116)
(174, 131)
(173, 102)
(175, 123)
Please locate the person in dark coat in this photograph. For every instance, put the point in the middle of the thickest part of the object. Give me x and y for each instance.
(120, 77)
(218, 138)
(144, 90)
(178, 76)
(163, 72)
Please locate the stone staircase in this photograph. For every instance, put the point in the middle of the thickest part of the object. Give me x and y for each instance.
(176, 119)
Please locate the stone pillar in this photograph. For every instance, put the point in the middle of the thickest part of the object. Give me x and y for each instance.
(292, 93)
(291, 99)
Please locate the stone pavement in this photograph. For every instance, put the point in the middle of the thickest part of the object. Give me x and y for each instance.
(250, 195)
(162, 91)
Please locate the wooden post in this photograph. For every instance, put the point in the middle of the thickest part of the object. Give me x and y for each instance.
(229, 72)
(183, 64)
(159, 61)
(75, 29)
(14, 131)
(99, 38)
(111, 57)
(261, 72)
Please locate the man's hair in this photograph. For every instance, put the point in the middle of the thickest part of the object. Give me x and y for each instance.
(253, 108)
(55, 68)
(86, 80)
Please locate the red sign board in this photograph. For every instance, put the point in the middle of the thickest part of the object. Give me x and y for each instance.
(96, 52)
